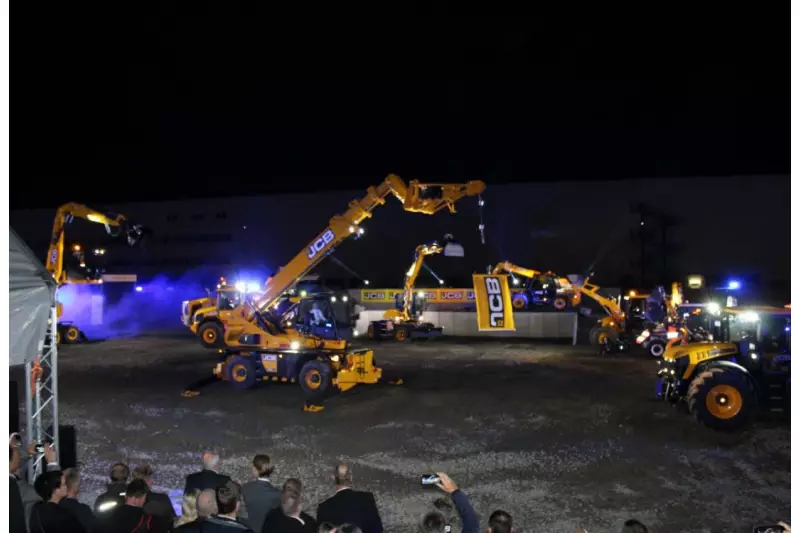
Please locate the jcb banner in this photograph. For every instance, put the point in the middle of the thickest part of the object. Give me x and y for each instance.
(493, 302)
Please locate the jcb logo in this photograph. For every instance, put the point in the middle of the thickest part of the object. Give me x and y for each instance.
(320, 244)
(374, 295)
(495, 295)
(458, 295)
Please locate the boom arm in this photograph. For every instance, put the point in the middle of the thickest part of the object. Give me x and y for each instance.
(65, 213)
(421, 252)
(511, 268)
(425, 198)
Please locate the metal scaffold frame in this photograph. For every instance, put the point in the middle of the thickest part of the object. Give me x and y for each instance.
(41, 395)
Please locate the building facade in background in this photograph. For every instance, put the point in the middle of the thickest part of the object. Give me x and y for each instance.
(718, 227)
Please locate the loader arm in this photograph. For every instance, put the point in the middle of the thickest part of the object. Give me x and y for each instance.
(609, 305)
(425, 198)
(64, 214)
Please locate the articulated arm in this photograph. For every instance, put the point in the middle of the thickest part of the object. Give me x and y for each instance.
(55, 254)
(511, 268)
(425, 198)
(420, 254)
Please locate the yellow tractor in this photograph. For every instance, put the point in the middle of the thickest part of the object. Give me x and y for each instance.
(724, 382)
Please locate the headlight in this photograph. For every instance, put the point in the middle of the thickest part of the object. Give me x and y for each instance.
(335, 358)
(345, 298)
(355, 333)
(294, 345)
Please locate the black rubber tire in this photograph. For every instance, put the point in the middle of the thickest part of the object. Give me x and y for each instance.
(702, 385)
(593, 335)
(211, 335)
(402, 333)
(656, 348)
(241, 372)
(71, 335)
(319, 372)
(610, 332)
(373, 332)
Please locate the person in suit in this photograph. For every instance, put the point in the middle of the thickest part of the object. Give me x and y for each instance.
(260, 496)
(208, 477)
(158, 503)
(289, 517)
(350, 506)
(84, 513)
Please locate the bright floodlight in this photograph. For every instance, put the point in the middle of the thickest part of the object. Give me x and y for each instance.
(240, 286)
(366, 282)
(515, 281)
(421, 294)
(252, 287)
(303, 293)
(749, 316)
(734, 285)
(441, 282)
(713, 308)
(294, 345)
(138, 288)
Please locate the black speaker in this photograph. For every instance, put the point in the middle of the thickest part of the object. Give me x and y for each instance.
(68, 447)
(13, 406)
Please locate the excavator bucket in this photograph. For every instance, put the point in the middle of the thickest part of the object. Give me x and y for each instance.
(493, 302)
(453, 249)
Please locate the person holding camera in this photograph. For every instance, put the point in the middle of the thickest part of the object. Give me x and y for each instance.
(437, 521)
(23, 495)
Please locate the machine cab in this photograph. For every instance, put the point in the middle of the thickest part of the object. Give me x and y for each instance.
(314, 316)
(228, 298)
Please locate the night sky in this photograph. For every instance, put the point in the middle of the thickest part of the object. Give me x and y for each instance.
(165, 105)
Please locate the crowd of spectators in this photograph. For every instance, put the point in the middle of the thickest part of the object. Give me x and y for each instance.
(214, 503)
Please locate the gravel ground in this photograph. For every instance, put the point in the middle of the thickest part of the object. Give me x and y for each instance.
(554, 434)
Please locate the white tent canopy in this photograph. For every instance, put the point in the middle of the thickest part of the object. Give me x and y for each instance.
(32, 293)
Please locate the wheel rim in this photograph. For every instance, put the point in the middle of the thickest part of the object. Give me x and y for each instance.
(239, 373)
(210, 335)
(724, 401)
(559, 303)
(656, 350)
(401, 334)
(72, 334)
(313, 379)
(518, 303)
(601, 337)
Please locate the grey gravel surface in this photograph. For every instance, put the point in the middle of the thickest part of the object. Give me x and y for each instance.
(554, 434)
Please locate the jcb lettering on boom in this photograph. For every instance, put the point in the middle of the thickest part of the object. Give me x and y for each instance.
(495, 294)
(320, 244)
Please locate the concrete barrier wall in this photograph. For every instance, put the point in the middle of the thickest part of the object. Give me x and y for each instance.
(465, 324)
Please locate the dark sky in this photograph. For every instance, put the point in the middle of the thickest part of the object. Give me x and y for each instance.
(119, 106)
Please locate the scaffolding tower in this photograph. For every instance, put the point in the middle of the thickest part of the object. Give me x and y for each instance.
(41, 396)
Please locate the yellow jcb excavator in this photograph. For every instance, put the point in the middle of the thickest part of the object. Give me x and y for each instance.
(404, 322)
(116, 226)
(262, 346)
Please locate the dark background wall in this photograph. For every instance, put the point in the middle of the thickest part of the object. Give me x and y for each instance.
(721, 227)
